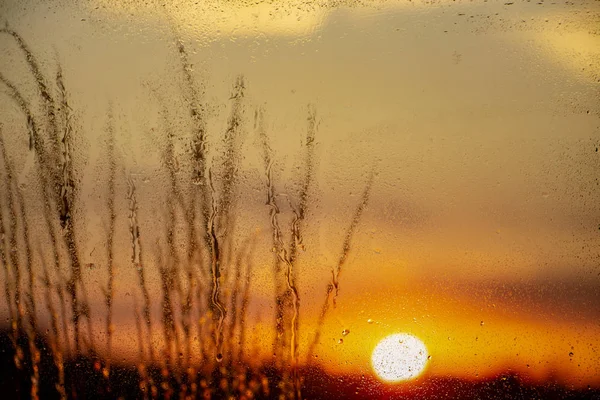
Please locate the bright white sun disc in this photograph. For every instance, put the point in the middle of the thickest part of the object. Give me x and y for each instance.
(399, 357)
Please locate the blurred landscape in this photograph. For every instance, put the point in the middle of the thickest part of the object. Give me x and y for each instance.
(260, 383)
(240, 200)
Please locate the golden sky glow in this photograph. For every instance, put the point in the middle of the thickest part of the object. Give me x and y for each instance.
(482, 121)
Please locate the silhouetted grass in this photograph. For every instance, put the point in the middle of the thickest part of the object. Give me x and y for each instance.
(54, 190)
(205, 275)
(110, 206)
(334, 286)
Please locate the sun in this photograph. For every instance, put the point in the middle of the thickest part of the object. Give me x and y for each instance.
(399, 357)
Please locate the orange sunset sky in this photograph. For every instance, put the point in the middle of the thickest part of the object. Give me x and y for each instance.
(480, 120)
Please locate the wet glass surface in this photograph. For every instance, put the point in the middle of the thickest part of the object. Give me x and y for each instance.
(320, 200)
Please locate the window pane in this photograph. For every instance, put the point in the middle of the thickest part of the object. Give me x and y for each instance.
(322, 200)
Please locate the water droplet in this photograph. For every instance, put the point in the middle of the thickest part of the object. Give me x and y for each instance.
(219, 357)
(429, 357)
(340, 341)
(571, 354)
(481, 323)
(345, 332)
(370, 321)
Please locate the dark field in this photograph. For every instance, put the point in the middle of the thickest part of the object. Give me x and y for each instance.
(84, 380)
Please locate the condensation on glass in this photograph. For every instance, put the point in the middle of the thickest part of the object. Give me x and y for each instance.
(304, 200)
